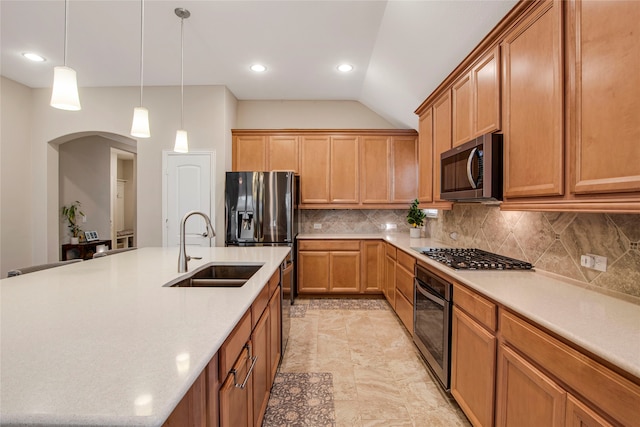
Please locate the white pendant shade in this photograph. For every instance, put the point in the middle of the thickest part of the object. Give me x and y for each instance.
(140, 124)
(182, 144)
(65, 89)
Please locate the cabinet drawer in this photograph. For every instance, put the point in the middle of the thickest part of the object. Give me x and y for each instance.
(406, 260)
(390, 250)
(259, 305)
(481, 309)
(329, 245)
(615, 395)
(404, 310)
(233, 345)
(404, 282)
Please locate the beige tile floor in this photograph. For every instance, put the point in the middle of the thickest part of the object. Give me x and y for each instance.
(379, 379)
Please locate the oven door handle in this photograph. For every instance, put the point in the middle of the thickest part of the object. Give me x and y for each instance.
(420, 288)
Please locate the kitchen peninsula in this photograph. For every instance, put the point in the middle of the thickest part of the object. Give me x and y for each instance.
(102, 342)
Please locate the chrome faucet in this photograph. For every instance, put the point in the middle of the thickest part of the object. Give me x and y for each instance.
(183, 258)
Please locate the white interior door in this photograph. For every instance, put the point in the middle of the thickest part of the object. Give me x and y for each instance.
(187, 186)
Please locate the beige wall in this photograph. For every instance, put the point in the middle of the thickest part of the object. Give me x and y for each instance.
(16, 233)
(308, 115)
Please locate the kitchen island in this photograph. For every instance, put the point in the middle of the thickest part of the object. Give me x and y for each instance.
(103, 343)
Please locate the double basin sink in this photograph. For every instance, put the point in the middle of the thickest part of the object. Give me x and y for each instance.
(217, 275)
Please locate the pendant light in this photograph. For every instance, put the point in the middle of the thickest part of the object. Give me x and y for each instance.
(64, 95)
(140, 123)
(182, 143)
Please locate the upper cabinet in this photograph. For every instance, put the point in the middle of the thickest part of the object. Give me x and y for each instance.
(603, 53)
(560, 80)
(532, 104)
(366, 169)
(476, 99)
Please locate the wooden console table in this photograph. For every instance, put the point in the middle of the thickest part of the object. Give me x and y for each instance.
(84, 250)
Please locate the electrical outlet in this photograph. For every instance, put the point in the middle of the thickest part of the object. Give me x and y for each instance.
(317, 226)
(392, 226)
(84, 218)
(594, 262)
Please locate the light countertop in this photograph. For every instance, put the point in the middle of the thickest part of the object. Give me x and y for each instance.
(605, 326)
(103, 343)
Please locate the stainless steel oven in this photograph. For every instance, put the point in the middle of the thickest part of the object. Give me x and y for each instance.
(432, 322)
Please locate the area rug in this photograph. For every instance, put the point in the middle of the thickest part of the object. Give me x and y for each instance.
(347, 304)
(301, 399)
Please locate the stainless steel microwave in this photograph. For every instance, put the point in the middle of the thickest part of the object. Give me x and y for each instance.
(472, 172)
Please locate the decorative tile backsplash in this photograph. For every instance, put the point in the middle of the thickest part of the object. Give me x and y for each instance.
(551, 241)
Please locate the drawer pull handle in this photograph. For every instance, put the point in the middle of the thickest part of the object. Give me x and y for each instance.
(253, 364)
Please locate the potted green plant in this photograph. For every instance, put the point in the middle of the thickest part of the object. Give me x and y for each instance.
(71, 213)
(415, 218)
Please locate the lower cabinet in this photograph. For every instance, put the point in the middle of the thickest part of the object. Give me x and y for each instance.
(405, 267)
(506, 371)
(236, 393)
(262, 368)
(390, 275)
(473, 361)
(372, 258)
(246, 364)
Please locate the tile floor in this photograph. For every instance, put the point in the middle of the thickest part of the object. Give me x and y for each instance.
(352, 363)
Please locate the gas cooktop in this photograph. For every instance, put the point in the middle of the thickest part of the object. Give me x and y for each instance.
(473, 259)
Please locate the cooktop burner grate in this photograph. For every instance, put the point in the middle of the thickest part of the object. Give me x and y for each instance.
(474, 259)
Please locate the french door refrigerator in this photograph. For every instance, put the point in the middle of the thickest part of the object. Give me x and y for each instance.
(261, 210)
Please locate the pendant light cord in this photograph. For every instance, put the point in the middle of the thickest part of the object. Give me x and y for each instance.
(66, 27)
(141, 48)
(181, 73)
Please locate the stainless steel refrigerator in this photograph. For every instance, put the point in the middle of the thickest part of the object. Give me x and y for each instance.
(261, 210)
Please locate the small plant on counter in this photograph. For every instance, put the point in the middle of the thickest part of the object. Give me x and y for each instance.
(70, 213)
(416, 216)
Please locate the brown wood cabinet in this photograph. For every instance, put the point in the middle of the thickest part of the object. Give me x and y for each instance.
(191, 411)
(372, 276)
(473, 361)
(532, 112)
(282, 153)
(462, 105)
(404, 169)
(485, 79)
(390, 275)
(425, 157)
(404, 275)
(526, 396)
(236, 393)
(580, 415)
(375, 159)
(249, 153)
(604, 101)
(261, 375)
(441, 139)
(315, 169)
(275, 334)
(344, 170)
(329, 266)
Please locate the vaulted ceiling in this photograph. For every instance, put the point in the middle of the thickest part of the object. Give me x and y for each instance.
(400, 50)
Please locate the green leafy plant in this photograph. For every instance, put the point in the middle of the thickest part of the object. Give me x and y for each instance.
(70, 213)
(416, 216)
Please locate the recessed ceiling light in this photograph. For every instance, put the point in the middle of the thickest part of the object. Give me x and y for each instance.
(34, 57)
(258, 68)
(345, 68)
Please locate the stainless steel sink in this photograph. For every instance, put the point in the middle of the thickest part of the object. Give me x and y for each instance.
(217, 275)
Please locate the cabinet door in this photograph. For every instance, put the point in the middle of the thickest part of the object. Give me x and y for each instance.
(462, 101)
(275, 334)
(249, 153)
(314, 169)
(344, 271)
(526, 397)
(261, 374)
(372, 266)
(604, 54)
(404, 177)
(236, 403)
(441, 137)
(532, 115)
(283, 153)
(374, 186)
(580, 415)
(344, 170)
(404, 310)
(313, 271)
(485, 78)
(425, 156)
(473, 361)
(390, 281)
